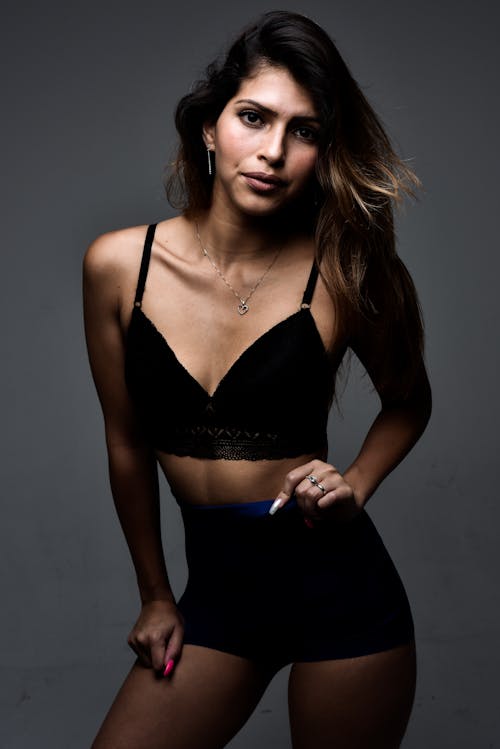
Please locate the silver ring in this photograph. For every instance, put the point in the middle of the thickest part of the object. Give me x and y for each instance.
(320, 486)
(312, 479)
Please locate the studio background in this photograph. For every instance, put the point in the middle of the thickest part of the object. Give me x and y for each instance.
(87, 126)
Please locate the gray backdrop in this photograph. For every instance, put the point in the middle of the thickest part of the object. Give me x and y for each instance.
(87, 120)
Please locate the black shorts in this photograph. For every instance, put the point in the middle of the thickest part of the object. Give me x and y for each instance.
(269, 588)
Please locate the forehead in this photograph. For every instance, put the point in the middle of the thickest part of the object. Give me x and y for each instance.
(275, 88)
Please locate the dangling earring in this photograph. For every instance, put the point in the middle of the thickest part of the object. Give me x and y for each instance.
(210, 171)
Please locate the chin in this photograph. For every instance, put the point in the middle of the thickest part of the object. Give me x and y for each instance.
(292, 209)
(263, 206)
(263, 211)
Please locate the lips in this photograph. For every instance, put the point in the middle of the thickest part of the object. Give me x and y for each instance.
(263, 183)
(269, 179)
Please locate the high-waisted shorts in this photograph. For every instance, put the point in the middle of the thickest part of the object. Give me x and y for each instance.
(270, 588)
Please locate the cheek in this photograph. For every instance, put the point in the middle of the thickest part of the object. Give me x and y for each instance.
(305, 164)
(231, 144)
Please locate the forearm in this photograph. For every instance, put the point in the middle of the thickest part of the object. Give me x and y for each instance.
(392, 435)
(134, 485)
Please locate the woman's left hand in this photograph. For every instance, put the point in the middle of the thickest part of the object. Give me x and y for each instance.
(328, 495)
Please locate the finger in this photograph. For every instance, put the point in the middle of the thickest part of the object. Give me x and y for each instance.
(321, 476)
(169, 667)
(307, 501)
(308, 493)
(158, 654)
(280, 501)
(338, 494)
(173, 651)
(325, 479)
(141, 652)
(293, 477)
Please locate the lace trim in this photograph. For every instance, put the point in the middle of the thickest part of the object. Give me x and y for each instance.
(225, 433)
(229, 443)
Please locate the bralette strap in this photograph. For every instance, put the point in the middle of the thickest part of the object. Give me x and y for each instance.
(143, 272)
(311, 283)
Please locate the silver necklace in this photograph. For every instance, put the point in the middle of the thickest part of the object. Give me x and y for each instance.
(243, 303)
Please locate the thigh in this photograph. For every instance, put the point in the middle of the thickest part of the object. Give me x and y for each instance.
(202, 705)
(353, 703)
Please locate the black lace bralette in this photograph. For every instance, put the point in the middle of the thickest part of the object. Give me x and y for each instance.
(272, 403)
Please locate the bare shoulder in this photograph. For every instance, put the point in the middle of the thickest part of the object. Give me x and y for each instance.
(111, 263)
(121, 248)
(109, 273)
(114, 252)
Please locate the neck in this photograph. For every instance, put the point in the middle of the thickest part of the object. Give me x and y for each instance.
(230, 236)
(228, 240)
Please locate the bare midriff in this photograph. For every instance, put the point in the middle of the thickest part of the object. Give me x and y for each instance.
(210, 482)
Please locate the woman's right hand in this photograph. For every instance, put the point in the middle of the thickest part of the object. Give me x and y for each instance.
(157, 635)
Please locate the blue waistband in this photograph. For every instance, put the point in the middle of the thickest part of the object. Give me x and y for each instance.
(257, 508)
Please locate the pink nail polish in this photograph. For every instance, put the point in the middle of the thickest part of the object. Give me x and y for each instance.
(308, 522)
(168, 667)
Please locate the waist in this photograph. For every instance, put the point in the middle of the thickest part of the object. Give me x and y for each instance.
(256, 508)
(215, 482)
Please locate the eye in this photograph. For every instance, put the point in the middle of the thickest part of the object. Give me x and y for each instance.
(307, 133)
(250, 117)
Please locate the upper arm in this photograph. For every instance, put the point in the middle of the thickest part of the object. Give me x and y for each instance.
(392, 363)
(104, 271)
(368, 345)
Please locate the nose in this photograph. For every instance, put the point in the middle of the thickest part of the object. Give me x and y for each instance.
(272, 147)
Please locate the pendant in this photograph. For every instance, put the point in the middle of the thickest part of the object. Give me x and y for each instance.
(242, 308)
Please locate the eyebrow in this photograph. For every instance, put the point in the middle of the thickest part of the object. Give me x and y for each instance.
(308, 117)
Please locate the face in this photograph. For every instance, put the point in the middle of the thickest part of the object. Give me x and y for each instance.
(265, 143)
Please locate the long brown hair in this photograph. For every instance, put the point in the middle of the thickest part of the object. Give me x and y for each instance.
(358, 179)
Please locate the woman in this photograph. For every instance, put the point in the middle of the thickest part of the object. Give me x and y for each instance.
(215, 339)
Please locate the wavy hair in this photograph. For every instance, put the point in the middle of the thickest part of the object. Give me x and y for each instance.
(358, 180)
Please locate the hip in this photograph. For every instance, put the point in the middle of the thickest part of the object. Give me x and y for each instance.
(333, 589)
(242, 549)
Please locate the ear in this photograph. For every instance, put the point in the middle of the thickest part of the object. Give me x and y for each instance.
(208, 134)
